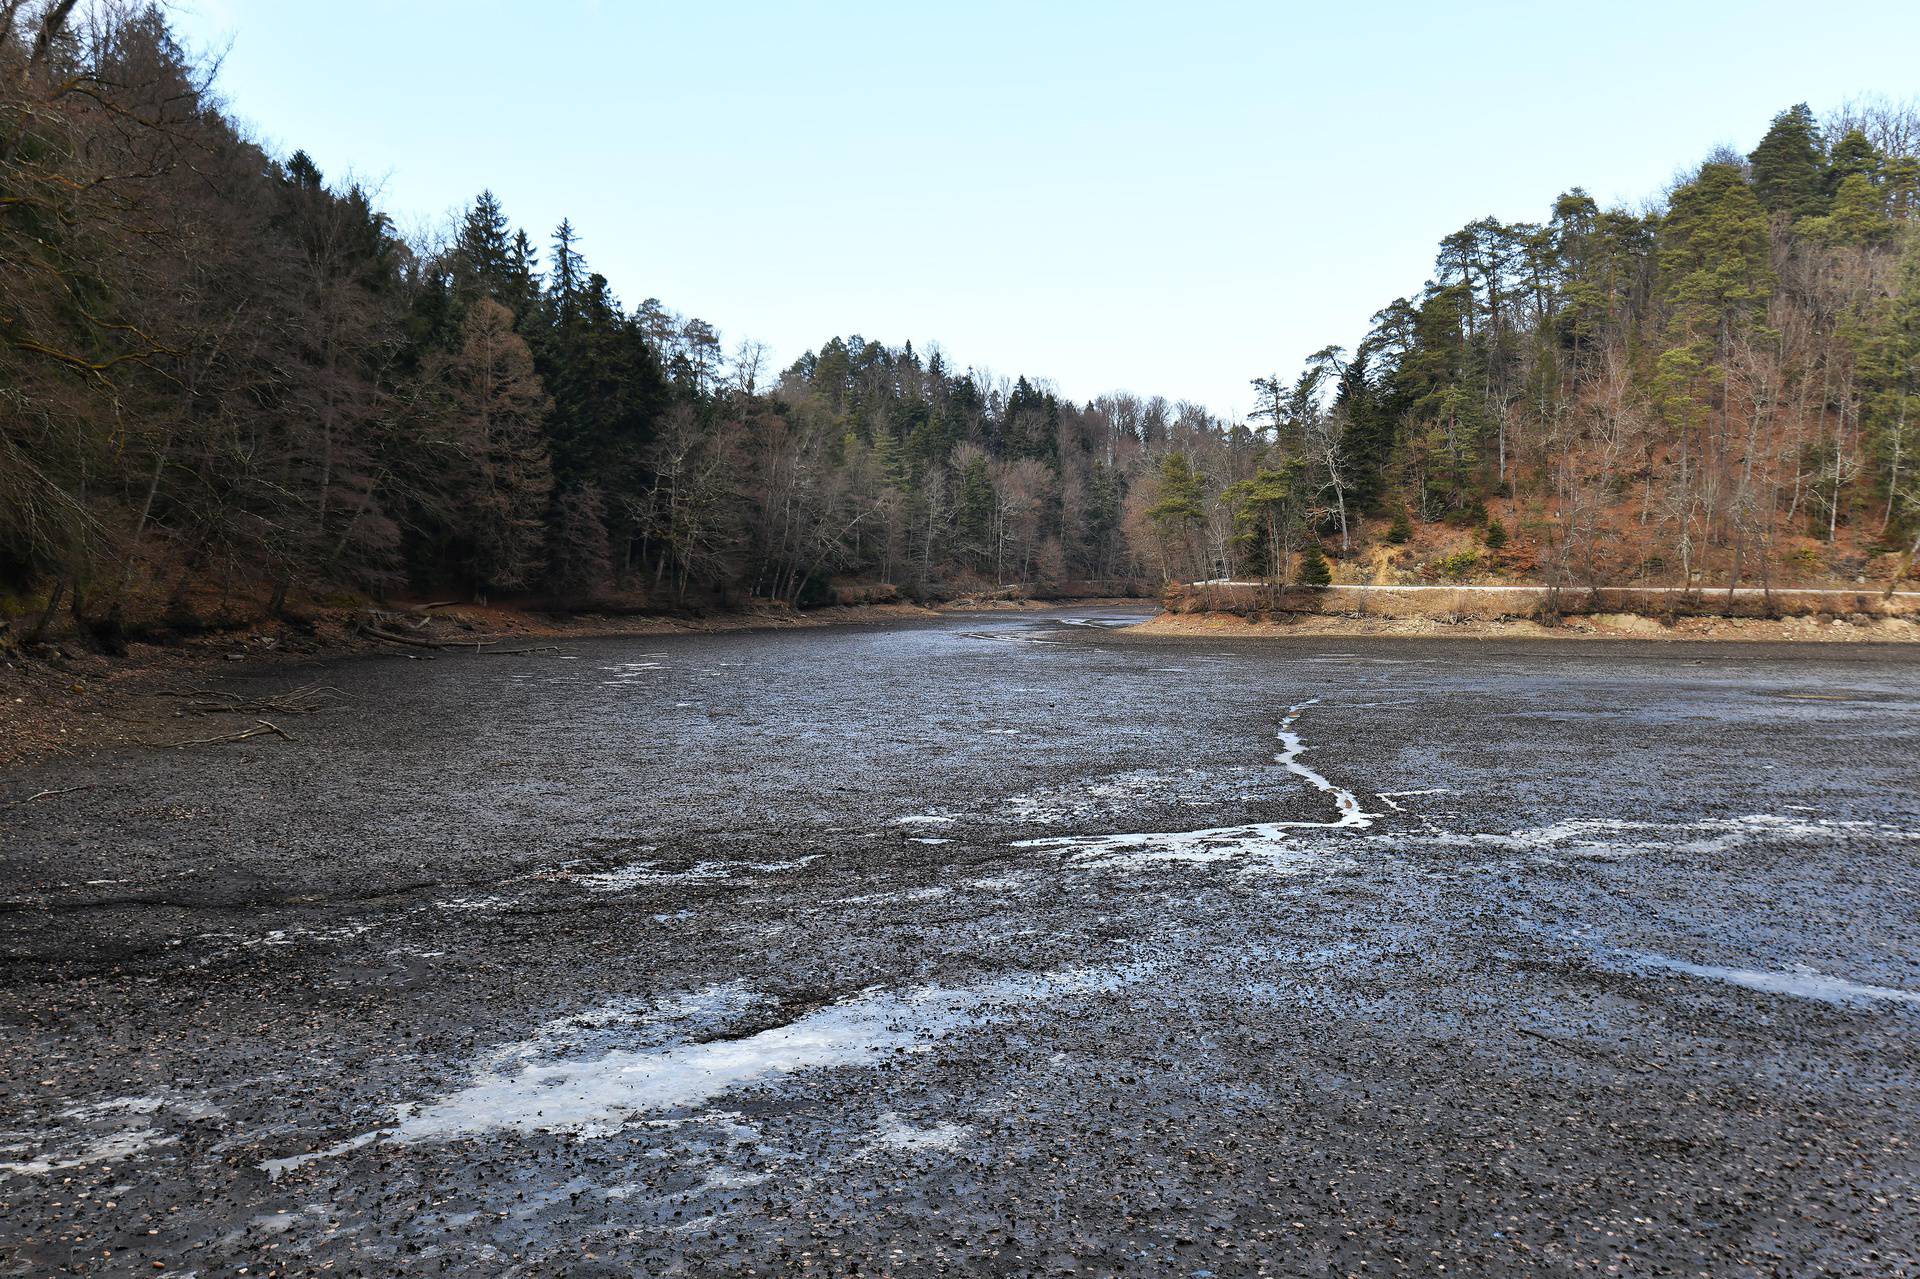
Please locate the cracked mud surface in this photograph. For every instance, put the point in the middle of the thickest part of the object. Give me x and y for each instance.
(991, 945)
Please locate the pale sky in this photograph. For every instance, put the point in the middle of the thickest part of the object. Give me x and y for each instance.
(1169, 198)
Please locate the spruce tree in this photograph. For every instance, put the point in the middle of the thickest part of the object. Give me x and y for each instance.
(1716, 269)
(1787, 164)
(1314, 569)
(483, 254)
(1178, 509)
(1852, 154)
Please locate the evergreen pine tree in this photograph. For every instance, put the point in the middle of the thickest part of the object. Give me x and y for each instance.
(1314, 569)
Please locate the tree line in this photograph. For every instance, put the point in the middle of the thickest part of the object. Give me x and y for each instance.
(1720, 388)
(225, 378)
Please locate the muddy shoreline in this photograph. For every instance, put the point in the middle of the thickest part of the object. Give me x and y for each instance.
(1594, 626)
(65, 699)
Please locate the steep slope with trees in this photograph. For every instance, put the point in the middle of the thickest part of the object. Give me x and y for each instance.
(227, 385)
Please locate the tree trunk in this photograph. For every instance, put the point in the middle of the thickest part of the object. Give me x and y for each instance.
(46, 614)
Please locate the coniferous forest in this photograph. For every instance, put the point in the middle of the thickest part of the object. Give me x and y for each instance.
(226, 383)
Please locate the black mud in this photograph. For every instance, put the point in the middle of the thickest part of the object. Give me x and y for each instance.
(811, 952)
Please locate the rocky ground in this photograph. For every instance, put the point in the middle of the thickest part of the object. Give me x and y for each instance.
(998, 944)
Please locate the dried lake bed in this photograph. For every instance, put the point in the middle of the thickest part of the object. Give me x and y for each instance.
(997, 944)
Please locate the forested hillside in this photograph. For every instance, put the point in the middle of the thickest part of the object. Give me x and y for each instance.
(227, 384)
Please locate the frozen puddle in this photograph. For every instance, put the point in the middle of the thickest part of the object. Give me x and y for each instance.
(1605, 839)
(626, 672)
(894, 1134)
(932, 892)
(640, 874)
(1800, 980)
(1251, 849)
(97, 1132)
(544, 1085)
(1221, 842)
(1008, 639)
(93, 1150)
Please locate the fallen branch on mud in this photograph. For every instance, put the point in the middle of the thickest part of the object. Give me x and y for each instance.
(510, 652)
(308, 699)
(45, 794)
(417, 642)
(260, 727)
(409, 641)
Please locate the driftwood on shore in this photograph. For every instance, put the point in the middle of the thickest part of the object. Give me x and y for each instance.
(488, 647)
(308, 699)
(260, 728)
(46, 794)
(415, 641)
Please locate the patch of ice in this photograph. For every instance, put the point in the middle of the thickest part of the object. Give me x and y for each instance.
(120, 1126)
(1003, 883)
(1388, 796)
(1800, 980)
(896, 1134)
(1249, 854)
(472, 903)
(294, 936)
(923, 819)
(115, 1145)
(92, 1110)
(525, 1088)
(641, 873)
(1608, 839)
(627, 669)
(276, 1168)
(930, 893)
(1219, 842)
(1008, 639)
(1122, 793)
